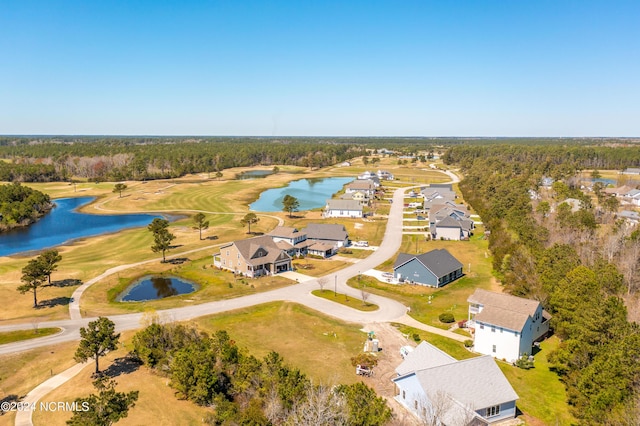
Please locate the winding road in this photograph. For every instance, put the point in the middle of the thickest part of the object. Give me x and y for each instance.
(389, 310)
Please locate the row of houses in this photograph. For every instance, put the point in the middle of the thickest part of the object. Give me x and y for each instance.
(504, 326)
(439, 389)
(447, 219)
(272, 253)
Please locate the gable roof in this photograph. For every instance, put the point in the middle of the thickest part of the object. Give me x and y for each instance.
(438, 261)
(503, 310)
(361, 184)
(259, 250)
(285, 232)
(476, 382)
(326, 231)
(423, 356)
(448, 222)
(343, 205)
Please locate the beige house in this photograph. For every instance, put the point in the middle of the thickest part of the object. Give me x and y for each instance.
(253, 257)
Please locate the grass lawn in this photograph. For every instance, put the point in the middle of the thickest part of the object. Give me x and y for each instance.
(16, 336)
(319, 346)
(542, 395)
(318, 267)
(451, 347)
(343, 299)
(428, 303)
(214, 284)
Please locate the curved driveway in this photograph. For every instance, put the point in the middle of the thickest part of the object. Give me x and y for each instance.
(389, 310)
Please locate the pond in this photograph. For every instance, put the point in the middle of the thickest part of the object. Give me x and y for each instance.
(254, 174)
(152, 287)
(64, 224)
(311, 194)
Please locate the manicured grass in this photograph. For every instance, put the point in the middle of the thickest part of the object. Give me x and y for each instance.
(450, 298)
(452, 347)
(214, 284)
(319, 346)
(318, 267)
(16, 336)
(343, 299)
(542, 395)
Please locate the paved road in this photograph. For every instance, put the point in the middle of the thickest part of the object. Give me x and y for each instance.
(389, 310)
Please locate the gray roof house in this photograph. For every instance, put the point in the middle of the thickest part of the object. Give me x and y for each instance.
(343, 208)
(449, 222)
(435, 268)
(326, 238)
(441, 390)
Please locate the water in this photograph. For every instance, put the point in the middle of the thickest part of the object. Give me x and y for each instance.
(604, 181)
(152, 287)
(64, 224)
(311, 194)
(253, 174)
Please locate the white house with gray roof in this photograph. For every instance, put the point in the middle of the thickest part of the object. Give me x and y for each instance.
(438, 389)
(505, 326)
(343, 208)
(435, 268)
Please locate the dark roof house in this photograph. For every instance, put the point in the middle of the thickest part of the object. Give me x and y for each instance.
(435, 268)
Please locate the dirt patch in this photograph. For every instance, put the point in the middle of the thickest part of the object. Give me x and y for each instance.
(391, 340)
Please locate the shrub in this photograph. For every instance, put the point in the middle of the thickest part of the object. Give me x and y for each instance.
(446, 317)
(524, 362)
(416, 337)
(468, 343)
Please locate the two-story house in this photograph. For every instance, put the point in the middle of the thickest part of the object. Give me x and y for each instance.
(293, 241)
(440, 390)
(343, 208)
(253, 257)
(449, 222)
(506, 326)
(435, 268)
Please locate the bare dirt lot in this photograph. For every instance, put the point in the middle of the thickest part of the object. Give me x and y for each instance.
(391, 340)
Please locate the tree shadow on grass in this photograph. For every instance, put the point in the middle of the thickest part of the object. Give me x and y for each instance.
(56, 301)
(69, 282)
(124, 365)
(9, 399)
(178, 260)
(212, 237)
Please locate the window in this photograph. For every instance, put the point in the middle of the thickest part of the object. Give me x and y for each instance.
(500, 329)
(415, 404)
(494, 349)
(482, 326)
(227, 252)
(492, 411)
(404, 395)
(493, 329)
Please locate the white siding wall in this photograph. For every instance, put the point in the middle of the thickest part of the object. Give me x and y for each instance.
(343, 213)
(507, 344)
(448, 233)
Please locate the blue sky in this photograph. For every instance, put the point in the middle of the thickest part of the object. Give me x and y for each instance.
(334, 68)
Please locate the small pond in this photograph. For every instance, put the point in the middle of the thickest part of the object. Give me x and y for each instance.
(311, 194)
(152, 287)
(254, 174)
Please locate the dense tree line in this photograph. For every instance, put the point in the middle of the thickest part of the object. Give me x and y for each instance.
(558, 259)
(117, 159)
(211, 370)
(21, 205)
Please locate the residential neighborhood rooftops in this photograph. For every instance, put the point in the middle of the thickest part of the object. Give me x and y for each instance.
(423, 356)
(475, 382)
(438, 261)
(503, 310)
(334, 204)
(285, 232)
(326, 231)
(259, 250)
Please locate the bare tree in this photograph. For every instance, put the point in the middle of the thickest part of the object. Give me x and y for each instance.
(322, 283)
(321, 407)
(365, 295)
